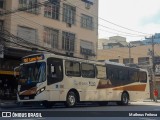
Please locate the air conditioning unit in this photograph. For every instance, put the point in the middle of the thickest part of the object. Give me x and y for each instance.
(68, 24)
(87, 5)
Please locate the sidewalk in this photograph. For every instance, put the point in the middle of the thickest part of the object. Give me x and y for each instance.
(8, 103)
(150, 100)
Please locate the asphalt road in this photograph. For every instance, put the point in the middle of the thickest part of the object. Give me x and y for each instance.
(134, 111)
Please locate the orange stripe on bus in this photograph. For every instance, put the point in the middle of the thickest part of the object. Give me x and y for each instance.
(132, 88)
(29, 92)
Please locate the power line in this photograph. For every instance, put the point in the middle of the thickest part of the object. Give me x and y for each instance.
(76, 38)
(77, 20)
(119, 34)
(39, 24)
(112, 22)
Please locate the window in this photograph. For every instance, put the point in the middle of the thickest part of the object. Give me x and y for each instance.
(114, 60)
(157, 59)
(30, 5)
(51, 10)
(72, 68)
(143, 60)
(143, 77)
(1, 4)
(101, 72)
(51, 37)
(86, 22)
(126, 60)
(68, 41)
(28, 34)
(123, 75)
(54, 70)
(86, 48)
(88, 70)
(1, 25)
(69, 13)
(113, 75)
(133, 76)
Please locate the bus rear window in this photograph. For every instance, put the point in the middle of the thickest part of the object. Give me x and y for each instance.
(143, 77)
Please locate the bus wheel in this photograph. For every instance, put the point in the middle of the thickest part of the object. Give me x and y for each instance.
(47, 104)
(71, 99)
(124, 99)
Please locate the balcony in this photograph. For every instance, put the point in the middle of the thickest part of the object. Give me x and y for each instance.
(33, 9)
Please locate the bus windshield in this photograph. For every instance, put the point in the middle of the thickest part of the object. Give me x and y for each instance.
(32, 73)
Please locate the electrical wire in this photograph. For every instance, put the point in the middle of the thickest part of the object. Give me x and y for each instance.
(112, 22)
(97, 24)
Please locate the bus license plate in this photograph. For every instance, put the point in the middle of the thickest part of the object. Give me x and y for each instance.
(26, 98)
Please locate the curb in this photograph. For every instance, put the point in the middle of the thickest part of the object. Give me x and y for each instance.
(8, 105)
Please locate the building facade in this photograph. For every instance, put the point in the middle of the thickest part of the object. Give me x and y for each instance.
(112, 42)
(156, 38)
(139, 56)
(65, 27)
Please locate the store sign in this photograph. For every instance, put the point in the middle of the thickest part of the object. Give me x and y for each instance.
(1, 51)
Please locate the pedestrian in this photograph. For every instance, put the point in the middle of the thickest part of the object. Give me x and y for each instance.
(155, 95)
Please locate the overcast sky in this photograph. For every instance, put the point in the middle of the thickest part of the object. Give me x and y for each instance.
(138, 15)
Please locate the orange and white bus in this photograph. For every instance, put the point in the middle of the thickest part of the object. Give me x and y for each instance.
(50, 78)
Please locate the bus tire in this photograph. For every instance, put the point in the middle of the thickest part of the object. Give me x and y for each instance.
(124, 99)
(71, 99)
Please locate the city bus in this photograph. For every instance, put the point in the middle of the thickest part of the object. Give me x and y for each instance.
(49, 79)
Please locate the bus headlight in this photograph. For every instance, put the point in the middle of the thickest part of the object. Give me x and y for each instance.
(40, 90)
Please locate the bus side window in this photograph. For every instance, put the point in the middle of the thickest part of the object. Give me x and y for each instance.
(72, 68)
(88, 70)
(101, 72)
(54, 71)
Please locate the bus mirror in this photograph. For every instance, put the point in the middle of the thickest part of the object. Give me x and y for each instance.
(16, 71)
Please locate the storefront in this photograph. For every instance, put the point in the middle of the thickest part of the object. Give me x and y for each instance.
(8, 83)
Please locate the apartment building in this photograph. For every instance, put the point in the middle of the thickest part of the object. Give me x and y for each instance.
(65, 27)
(112, 42)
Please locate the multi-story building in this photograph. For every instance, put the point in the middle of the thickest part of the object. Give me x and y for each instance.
(156, 38)
(140, 56)
(113, 42)
(66, 27)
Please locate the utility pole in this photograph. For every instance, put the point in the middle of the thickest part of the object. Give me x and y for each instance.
(129, 53)
(153, 68)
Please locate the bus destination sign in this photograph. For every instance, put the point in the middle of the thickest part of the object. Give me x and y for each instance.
(33, 58)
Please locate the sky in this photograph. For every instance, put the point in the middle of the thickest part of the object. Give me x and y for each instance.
(142, 16)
